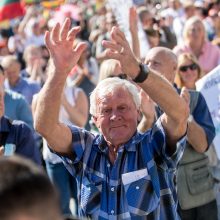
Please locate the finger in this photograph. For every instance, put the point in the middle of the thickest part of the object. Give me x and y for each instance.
(113, 46)
(80, 48)
(109, 54)
(47, 40)
(118, 36)
(55, 34)
(64, 29)
(72, 33)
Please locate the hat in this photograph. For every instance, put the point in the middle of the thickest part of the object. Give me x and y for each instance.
(188, 3)
(199, 4)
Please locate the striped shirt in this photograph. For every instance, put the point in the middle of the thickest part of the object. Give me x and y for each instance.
(139, 185)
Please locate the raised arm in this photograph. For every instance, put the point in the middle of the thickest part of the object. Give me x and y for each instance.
(133, 26)
(63, 56)
(157, 87)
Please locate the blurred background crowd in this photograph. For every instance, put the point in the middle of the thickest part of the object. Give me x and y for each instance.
(191, 28)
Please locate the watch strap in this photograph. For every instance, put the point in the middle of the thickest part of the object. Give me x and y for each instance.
(143, 74)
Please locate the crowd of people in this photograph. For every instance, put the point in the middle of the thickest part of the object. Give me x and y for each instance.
(111, 133)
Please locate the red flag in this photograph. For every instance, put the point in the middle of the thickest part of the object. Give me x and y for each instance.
(10, 9)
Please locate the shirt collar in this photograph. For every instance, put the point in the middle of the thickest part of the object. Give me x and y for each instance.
(101, 144)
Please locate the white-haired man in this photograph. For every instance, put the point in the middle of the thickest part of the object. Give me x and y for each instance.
(121, 173)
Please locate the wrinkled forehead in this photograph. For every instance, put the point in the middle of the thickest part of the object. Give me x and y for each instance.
(120, 96)
(117, 92)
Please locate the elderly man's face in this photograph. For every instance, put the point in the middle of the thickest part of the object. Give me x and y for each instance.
(117, 116)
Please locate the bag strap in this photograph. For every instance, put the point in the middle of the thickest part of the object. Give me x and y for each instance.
(194, 95)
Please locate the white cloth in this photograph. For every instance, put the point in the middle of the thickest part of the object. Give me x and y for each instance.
(71, 94)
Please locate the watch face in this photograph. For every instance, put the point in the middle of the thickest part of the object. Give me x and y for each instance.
(145, 68)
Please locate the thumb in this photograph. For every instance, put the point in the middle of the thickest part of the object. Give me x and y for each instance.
(80, 48)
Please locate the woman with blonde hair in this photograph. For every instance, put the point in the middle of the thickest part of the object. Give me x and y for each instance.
(188, 71)
(110, 68)
(195, 42)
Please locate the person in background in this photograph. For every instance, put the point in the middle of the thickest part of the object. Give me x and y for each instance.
(34, 64)
(26, 192)
(16, 107)
(194, 181)
(195, 42)
(16, 137)
(15, 82)
(188, 71)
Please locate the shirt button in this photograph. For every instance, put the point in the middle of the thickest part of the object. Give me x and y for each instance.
(112, 212)
(112, 189)
(108, 165)
(137, 187)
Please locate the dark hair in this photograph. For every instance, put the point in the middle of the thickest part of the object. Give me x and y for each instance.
(25, 189)
(1, 69)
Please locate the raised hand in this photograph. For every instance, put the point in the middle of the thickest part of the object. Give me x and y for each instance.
(147, 105)
(60, 43)
(185, 95)
(133, 20)
(118, 48)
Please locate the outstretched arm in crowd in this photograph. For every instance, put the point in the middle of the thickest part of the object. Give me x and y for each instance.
(133, 26)
(63, 57)
(157, 87)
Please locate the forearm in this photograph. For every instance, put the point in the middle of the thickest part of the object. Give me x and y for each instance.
(135, 44)
(197, 137)
(163, 93)
(48, 104)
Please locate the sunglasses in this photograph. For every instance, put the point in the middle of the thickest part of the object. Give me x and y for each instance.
(121, 76)
(191, 67)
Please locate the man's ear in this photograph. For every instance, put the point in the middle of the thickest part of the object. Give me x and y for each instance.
(139, 115)
(95, 121)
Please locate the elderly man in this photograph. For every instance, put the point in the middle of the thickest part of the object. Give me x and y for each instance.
(194, 180)
(121, 173)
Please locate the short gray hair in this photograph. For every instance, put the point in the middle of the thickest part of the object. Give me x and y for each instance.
(107, 86)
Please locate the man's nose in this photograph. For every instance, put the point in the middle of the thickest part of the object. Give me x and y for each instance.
(115, 115)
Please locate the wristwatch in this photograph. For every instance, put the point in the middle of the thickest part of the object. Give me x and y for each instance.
(143, 74)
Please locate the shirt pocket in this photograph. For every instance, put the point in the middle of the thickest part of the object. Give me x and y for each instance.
(91, 193)
(139, 192)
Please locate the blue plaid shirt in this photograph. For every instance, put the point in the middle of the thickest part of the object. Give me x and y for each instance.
(139, 185)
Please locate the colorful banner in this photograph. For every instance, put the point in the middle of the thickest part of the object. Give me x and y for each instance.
(10, 9)
(52, 4)
(209, 86)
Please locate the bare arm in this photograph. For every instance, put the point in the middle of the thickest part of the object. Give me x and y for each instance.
(78, 114)
(197, 137)
(157, 87)
(63, 57)
(133, 25)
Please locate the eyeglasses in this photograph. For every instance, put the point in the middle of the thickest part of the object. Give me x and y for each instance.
(191, 67)
(121, 76)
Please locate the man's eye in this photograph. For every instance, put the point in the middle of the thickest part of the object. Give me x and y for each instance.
(122, 108)
(106, 111)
